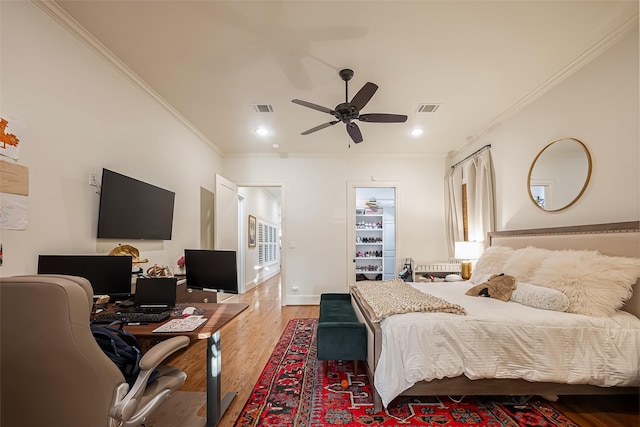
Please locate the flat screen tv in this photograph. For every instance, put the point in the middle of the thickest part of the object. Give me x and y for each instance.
(109, 275)
(211, 270)
(132, 209)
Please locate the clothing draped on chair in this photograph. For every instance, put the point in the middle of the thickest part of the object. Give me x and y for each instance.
(476, 172)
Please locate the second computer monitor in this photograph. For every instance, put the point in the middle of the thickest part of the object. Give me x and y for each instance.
(214, 270)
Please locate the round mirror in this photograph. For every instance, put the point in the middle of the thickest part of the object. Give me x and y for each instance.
(559, 174)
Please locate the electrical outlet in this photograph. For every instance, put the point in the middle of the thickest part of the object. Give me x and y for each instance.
(93, 180)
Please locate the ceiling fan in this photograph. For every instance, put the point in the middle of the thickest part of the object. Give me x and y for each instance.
(349, 111)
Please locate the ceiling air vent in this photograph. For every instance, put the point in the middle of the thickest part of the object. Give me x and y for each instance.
(263, 108)
(427, 108)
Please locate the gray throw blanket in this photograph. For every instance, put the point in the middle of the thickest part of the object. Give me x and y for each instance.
(389, 297)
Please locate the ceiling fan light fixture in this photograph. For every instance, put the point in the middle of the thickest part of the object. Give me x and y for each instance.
(348, 111)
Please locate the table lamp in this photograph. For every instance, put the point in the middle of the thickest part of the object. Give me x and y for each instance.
(467, 252)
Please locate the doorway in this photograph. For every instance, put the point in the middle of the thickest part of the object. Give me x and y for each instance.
(373, 239)
(262, 258)
(242, 237)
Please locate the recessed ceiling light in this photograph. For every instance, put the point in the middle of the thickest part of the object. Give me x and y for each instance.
(275, 146)
(262, 131)
(417, 132)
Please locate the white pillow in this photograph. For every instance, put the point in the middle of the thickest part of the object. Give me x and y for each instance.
(480, 278)
(491, 261)
(523, 263)
(539, 297)
(595, 284)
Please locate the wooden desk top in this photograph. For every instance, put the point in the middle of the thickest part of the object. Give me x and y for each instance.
(218, 315)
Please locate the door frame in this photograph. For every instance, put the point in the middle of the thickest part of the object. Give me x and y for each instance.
(351, 221)
(242, 238)
(283, 225)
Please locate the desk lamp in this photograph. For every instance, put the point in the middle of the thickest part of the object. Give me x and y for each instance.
(467, 252)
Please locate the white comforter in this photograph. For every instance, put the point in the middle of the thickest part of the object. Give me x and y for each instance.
(505, 340)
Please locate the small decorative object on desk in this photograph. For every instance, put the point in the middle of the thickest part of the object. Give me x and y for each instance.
(128, 250)
(180, 264)
(157, 271)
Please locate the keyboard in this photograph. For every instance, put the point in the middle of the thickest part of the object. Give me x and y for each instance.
(131, 317)
(143, 310)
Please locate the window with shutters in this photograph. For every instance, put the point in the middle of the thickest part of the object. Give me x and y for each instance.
(267, 241)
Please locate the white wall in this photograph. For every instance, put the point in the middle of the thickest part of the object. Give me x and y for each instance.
(83, 115)
(597, 105)
(315, 212)
(266, 209)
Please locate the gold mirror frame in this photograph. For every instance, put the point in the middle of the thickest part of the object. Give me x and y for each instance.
(584, 185)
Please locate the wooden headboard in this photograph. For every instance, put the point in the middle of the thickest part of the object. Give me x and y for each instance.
(613, 239)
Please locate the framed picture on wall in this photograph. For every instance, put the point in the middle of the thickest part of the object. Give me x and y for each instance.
(252, 231)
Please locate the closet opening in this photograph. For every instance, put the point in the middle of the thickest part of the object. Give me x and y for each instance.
(374, 233)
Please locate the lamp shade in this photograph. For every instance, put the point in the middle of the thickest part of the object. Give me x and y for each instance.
(468, 250)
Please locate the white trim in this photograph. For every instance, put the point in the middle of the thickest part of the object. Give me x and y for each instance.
(587, 56)
(79, 32)
(303, 300)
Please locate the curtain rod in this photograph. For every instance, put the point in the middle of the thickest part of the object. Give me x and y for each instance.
(471, 155)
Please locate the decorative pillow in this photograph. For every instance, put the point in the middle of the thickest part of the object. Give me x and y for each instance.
(539, 297)
(492, 261)
(499, 287)
(523, 263)
(595, 284)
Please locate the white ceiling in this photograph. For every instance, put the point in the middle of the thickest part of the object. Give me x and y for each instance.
(481, 60)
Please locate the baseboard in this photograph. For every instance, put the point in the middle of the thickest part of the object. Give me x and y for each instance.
(303, 300)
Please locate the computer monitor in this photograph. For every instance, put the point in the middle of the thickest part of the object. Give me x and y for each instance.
(213, 270)
(109, 275)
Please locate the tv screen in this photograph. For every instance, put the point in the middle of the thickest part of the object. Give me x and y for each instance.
(132, 209)
(211, 270)
(109, 275)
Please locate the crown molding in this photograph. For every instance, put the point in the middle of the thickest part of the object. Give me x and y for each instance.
(54, 10)
(340, 156)
(603, 45)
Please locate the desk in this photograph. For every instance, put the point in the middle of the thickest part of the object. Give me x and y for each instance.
(218, 315)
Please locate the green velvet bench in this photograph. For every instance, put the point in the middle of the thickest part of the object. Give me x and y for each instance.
(340, 335)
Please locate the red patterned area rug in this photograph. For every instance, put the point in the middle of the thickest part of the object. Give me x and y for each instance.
(293, 390)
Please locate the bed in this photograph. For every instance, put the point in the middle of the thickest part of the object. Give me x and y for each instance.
(611, 240)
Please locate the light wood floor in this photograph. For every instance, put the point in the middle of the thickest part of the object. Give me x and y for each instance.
(248, 340)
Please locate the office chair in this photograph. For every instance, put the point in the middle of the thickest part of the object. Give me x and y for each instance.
(52, 371)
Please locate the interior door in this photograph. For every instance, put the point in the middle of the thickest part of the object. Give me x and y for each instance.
(225, 218)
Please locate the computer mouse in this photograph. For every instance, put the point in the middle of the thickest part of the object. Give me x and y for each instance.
(188, 311)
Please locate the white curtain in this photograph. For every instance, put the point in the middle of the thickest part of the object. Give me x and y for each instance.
(453, 208)
(477, 174)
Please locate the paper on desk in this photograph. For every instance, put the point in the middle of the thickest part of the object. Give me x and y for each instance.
(187, 324)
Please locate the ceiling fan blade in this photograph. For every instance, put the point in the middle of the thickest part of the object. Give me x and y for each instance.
(313, 106)
(354, 132)
(364, 95)
(322, 126)
(382, 118)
